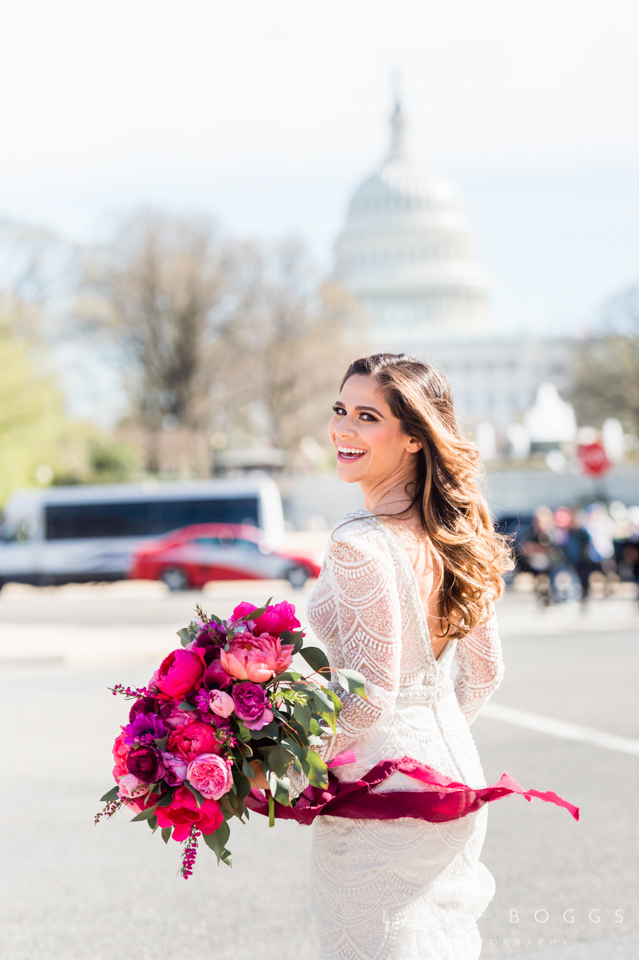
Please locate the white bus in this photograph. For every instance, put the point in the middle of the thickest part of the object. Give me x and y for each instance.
(88, 533)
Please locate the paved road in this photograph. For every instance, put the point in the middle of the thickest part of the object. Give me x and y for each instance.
(70, 891)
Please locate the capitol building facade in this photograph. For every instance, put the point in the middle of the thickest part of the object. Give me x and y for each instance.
(406, 255)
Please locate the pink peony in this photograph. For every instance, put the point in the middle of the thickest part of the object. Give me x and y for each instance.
(183, 812)
(211, 775)
(131, 787)
(274, 621)
(221, 704)
(120, 751)
(180, 672)
(197, 738)
(178, 718)
(256, 658)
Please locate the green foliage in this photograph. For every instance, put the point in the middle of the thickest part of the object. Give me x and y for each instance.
(606, 381)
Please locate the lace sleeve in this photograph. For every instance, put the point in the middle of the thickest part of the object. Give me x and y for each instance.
(481, 668)
(364, 589)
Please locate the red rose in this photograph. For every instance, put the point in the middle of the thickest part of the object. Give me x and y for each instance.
(183, 812)
(196, 738)
(180, 672)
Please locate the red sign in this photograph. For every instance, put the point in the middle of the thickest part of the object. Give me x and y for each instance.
(593, 459)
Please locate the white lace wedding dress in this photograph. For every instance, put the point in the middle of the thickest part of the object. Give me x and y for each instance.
(403, 889)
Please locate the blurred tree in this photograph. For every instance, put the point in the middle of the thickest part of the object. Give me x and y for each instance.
(160, 293)
(606, 379)
(289, 339)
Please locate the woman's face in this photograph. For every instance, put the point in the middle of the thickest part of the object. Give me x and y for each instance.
(371, 447)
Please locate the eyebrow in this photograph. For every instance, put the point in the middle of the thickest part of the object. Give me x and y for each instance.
(372, 409)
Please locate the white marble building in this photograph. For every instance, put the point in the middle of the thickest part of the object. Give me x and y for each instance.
(406, 253)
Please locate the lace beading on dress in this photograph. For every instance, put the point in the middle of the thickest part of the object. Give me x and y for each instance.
(405, 889)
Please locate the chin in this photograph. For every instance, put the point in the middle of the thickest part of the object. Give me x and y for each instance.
(346, 474)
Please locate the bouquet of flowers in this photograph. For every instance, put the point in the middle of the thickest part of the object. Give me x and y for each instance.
(217, 710)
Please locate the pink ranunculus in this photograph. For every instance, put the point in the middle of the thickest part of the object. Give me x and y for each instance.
(274, 621)
(131, 787)
(197, 738)
(256, 658)
(211, 775)
(183, 812)
(120, 751)
(221, 704)
(180, 672)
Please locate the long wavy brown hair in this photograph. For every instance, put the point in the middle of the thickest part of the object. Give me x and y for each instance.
(453, 513)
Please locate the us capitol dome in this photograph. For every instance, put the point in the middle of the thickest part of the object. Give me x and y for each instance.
(407, 255)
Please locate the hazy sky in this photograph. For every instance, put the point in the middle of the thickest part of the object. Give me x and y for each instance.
(268, 113)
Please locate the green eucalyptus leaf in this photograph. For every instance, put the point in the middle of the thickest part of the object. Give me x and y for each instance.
(217, 841)
(166, 798)
(296, 637)
(242, 783)
(166, 833)
(144, 814)
(162, 742)
(227, 858)
(244, 733)
(314, 728)
(279, 759)
(316, 659)
(302, 713)
(315, 769)
(153, 823)
(185, 705)
(280, 789)
(112, 794)
(185, 636)
(352, 681)
(270, 731)
(247, 770)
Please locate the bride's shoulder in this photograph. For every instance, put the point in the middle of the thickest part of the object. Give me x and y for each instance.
(358, 533)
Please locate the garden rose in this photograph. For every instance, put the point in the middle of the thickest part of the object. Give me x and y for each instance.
(221, 704)
(131, 787)
(256, 658)
(174, 768)
(216, 676)
(180, 672)
(144, 762)
(120, 751)
(251, 706)
(143, 705)
(197, 738)
(183, 812)
(211, 775)
(175, 717)
(146, 727)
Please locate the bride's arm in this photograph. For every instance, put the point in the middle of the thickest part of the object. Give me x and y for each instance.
(366, 601)
(481, 668)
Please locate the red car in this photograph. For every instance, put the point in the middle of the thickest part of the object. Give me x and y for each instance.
(192, 556)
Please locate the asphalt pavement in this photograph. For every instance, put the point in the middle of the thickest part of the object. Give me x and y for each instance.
(74, 891)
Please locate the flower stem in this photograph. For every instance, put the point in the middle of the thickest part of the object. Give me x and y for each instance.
(271, 810)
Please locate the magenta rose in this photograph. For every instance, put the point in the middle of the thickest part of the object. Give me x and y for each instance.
(180, 672)
(251, 705)
(256, 658)
(174, 768)
(211, 775)
(144, 762)
(184, 812)
(197, 738)
(216, 676)
(273, 621)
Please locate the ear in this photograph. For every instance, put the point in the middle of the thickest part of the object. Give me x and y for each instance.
(413, 445)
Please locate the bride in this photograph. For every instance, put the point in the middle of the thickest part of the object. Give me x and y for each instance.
(406, 591)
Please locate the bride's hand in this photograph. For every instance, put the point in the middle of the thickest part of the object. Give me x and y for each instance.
(259, 781)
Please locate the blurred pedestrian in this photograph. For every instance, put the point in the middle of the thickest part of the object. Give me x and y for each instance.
(578, 549)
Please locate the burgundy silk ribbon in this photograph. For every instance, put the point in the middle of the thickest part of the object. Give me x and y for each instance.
(444, 799)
